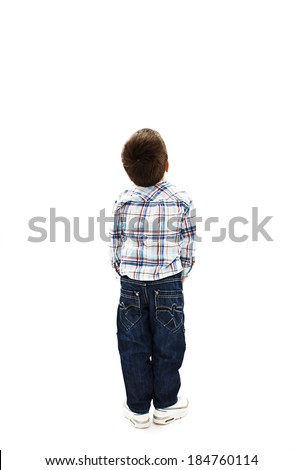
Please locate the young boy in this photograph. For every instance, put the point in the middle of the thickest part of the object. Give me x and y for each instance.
(152, 250)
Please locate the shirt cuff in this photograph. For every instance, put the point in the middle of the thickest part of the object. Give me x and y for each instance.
(187, 268)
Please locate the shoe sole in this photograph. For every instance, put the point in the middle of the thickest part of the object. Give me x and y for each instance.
(136, 423)
(166, 418)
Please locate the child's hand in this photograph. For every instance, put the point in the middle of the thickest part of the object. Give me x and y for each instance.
(183, 279)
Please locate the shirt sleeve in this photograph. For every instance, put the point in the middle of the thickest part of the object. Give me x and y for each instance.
(188, 234)
(116, 239)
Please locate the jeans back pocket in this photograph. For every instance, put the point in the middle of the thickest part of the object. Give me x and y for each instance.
(169, 309)
(129, 309)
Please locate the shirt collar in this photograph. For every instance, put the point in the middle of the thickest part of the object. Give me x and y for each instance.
(150, 188)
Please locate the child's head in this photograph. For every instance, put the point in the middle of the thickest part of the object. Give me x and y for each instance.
(145, 157)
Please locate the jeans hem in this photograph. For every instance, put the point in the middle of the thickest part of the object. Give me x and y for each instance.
(164, 406)
(139, 412)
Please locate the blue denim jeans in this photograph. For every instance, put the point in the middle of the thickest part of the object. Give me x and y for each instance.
(151, 340)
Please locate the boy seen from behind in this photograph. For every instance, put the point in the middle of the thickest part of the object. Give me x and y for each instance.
(152, 249)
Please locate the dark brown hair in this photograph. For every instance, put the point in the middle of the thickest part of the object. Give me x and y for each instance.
(144, 157)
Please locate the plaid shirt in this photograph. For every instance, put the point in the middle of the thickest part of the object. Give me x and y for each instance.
(153, 232)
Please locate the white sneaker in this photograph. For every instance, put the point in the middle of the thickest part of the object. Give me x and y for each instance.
(140, 421)
(170, 414)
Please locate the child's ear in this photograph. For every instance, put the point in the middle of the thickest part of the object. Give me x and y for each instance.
(167, 166)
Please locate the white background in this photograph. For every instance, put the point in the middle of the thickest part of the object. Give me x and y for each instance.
(221, 81)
